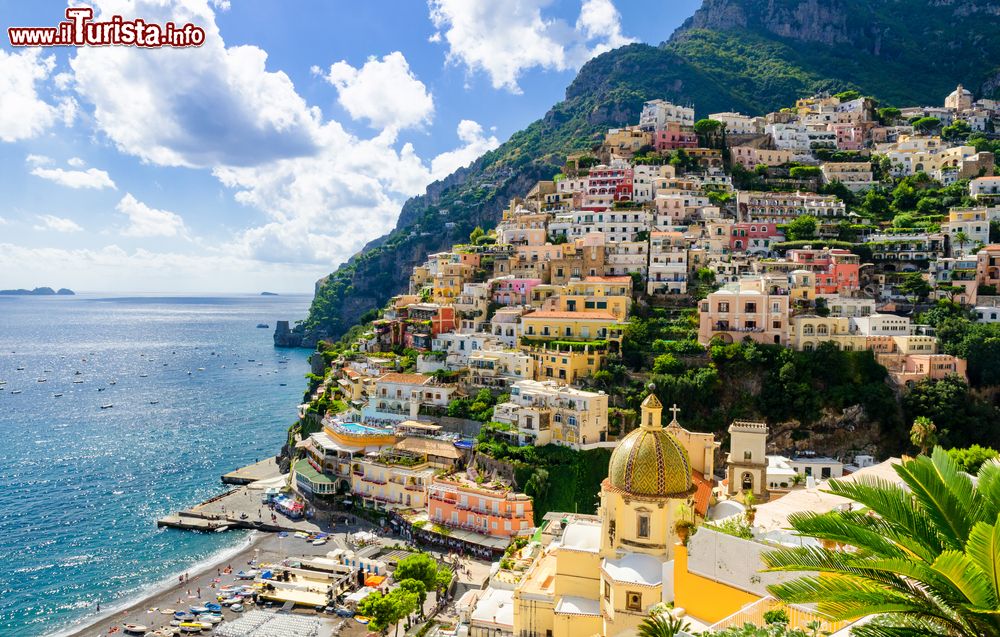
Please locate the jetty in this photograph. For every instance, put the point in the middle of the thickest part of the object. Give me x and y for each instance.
(263, 470)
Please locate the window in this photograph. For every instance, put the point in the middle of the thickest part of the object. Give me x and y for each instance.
(633, 601)
(642, 525)
(723, 306)
(748, 455)
(824, 472)
(607, 591)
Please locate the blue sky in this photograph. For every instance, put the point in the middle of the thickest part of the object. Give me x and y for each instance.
(266, 157)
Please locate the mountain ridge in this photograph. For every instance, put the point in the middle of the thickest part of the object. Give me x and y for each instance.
(744, 55)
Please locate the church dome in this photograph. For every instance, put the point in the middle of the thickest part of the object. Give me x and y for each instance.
(649, 461)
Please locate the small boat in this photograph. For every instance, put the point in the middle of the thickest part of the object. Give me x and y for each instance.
(153, 402)
(42, 380)
(114, 382)
(211, 618)
(252, 573)
(57, 395)
(183, 615)
(201, 369)
(212, 606)
(319, 542)
(302, 535)
(263, 326)
(16, 391)
(167, 611)
(100, 389)
(229, 601)
(198, 610)
(135, 629)
(108, 406)
(143, 375)
(20, 369)
(361, 619)
(204, 625)
(190, 627)
(282, 384)
(78, 373)
(236, 608)
(77, 382)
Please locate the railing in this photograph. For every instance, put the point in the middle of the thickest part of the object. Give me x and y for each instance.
(798, 617)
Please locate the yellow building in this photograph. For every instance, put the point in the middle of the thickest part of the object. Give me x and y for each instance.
(568, 363)
(571, 326)
(605, 573)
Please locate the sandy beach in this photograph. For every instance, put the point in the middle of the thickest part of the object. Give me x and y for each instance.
(182, 595)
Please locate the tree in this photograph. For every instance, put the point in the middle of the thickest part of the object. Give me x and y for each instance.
(805, 172)
(662, 625)
(417, 588)
(537, 485)
(915, 287)
(848, 96)
(889, 114)
(972, 458)
(420, 567)
(477, 234)
(802, 228)
(961, 238)
(927, 553)
(958, 130)
(926, 125)
(385, 611)
(707, 126)
(923, 434)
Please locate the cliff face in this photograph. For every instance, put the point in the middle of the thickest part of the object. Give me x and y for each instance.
(747, 55)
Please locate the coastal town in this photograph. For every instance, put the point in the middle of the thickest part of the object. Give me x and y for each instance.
(445, 423)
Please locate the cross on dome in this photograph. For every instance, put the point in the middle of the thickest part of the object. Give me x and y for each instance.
(675, 409)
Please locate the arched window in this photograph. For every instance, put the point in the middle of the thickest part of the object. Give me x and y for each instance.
(747, 481)
(642, 524)
(748, 455)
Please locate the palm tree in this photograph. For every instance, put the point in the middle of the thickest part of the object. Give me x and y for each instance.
(923, 434)
(662, 625)
(961, 238)
(925, 554)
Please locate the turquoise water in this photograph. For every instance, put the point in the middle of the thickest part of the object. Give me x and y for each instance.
(81, 487)
(358, 428)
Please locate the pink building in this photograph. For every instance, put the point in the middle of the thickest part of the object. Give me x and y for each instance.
(498, 511)
(910, 368)
(849, 136)
(514, 291)
(754, 237)
(757, 309)
(614, 182)
(673, 137)
(836, 270)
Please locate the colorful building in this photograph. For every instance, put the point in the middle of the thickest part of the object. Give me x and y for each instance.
(489, 509)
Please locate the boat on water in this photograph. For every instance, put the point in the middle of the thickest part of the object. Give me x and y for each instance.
(78, 373)
(143, 375)
(282, 384)
(108, 406)
(77, 382)
(16, 391)
(153, 402)
(42, 380)
(114, 382)
(57, 395)
(263, 326)
(20, 369)
(201, 369)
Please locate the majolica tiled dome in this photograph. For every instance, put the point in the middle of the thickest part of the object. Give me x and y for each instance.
(649, 461)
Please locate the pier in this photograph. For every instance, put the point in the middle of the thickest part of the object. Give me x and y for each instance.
(263, 470)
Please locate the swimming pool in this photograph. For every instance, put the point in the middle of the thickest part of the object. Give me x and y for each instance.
(358, 428)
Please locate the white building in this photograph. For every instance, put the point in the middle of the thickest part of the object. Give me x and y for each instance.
(739, 124)
(547, 412)
(657, 113)
(668, 264)
(626, 257)
(856, 175)
(498, 368)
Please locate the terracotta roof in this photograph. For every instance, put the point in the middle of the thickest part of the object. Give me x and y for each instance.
(410, 379)
(429, 446)
(591, 316)
(703, 496)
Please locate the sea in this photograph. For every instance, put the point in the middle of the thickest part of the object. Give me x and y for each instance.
(146, 402)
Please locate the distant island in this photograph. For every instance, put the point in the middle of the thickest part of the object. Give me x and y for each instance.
(269, 294)
(38, 292)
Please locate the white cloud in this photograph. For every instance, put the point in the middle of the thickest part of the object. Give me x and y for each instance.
(149, 222)
(505, 38)
(76, 162)
(197, 107)
(471, 134)
(58, 224)
(23, 113)
(3, 221)
(385, 92)
(38, 160)
(324, 192)
(90, 178)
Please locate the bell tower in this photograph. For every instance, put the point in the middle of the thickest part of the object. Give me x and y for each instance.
(746, 468)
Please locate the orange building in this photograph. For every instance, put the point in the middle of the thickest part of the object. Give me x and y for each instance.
(489, 509)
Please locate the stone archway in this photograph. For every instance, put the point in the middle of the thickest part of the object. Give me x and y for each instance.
(746, 480)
